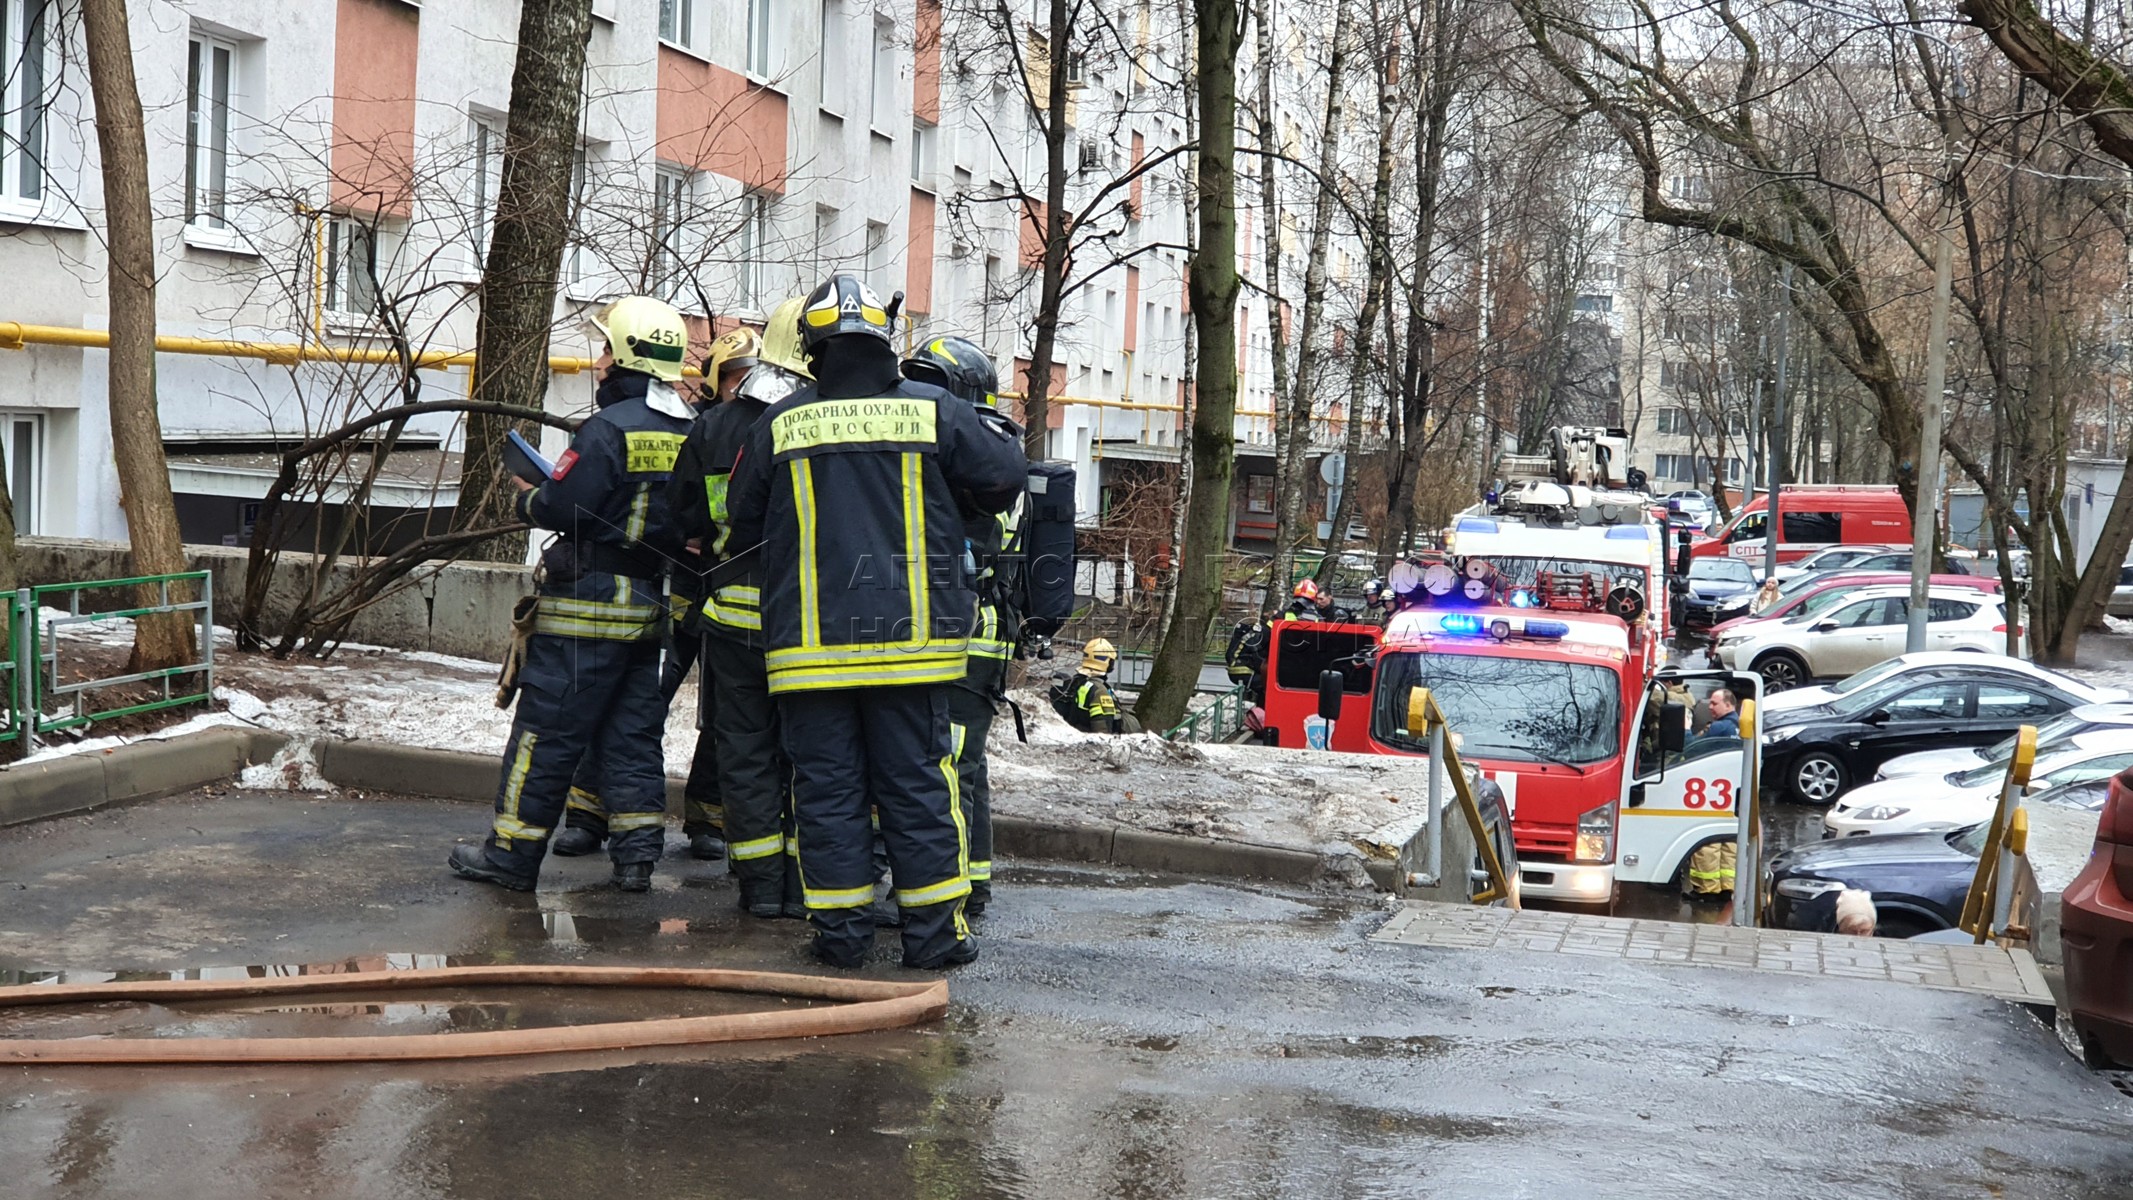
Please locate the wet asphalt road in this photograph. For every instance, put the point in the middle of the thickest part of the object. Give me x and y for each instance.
(1124, 1036)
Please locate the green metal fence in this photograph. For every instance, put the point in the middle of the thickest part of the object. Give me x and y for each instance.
(12, 678)
(1220, 721)
(73, 702)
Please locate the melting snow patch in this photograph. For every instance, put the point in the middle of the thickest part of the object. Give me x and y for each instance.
(291, 770)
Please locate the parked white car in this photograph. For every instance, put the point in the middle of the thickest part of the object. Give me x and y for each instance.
(1833, 558)
(1927, 660)
(1867, 628)
(1933, 803)
(2052, 736)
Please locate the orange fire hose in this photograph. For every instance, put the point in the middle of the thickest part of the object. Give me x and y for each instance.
(868, 1005)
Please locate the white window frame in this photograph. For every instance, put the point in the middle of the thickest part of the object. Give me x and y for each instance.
(881, 76)
(760, 28)
(677, 24)
(925, 137)
(670, 197)
(485, 163)
(210, 99)
(25, 108)
(25, 476)
(832, 65)
(756, 234)
(345, 232)
(878, 259)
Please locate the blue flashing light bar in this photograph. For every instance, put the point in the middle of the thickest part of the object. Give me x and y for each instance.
(1475, 525)
(1460, 623)
(1546, 629)
(1524, 598)
(1628, 533)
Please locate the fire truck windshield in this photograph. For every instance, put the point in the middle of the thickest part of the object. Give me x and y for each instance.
(1518, 708)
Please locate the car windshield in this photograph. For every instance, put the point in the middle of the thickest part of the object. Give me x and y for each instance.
(1800, 583)
(1867, 699)
(1519, 708)
(1980, 776)
(1817, 602)
(1724, 570)
(1970, 840)
(2049, 735)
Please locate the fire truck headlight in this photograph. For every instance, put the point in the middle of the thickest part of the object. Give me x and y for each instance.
(1596, 834)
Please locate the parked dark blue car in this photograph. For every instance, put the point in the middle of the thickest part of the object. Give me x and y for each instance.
(1711, 583)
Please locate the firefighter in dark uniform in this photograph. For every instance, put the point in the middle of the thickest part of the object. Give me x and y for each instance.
(1084, 699)
(733, 355)
(754, 775)
(964, 370)
(856, 489)
(589, 681)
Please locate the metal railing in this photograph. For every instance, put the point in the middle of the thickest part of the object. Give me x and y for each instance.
(12, 676)
(37, 644)
(1218, 722)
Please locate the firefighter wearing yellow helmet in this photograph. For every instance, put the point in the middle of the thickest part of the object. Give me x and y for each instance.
(589, 684)
(733, 355)
(1085, 698)
(857, 489)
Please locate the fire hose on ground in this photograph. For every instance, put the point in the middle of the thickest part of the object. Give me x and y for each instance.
(865, 1006)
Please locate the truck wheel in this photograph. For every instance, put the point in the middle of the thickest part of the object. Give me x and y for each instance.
(1781, 670)
(1818, 778)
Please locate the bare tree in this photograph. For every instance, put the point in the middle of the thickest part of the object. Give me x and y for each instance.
(165, 641)
(1213, 286)
(518, 284)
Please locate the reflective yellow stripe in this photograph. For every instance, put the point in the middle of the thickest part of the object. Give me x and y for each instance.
(916, 566)
(584, 801)
(715, 496)
(958, 731)
(633, 530)
(507, 825)
(839, 656)
(955, 813)
(621, 821)
(755, 847)
(857, 897)
(981, 870)
(886, 674)
(615, 631)
(945, 890)
(803, 498)
(737, 618)
(991, 648)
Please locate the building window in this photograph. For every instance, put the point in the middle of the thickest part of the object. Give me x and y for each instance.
(677, 23)
(877, 263)
(207, 132)
(830, 64)
(486, 142)
(922, 152)
(825, 257)
(759, 38)
(755, 248)
(351, 267)
(1592, 303)
(26, 44)
(669, 188)
(24, 440)
(882, 96)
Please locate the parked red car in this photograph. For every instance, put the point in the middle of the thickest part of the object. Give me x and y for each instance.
(1837, 579)
(2096, 933)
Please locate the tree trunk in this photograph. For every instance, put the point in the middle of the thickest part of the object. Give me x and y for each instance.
(1379, 256)
(1051, 288)
(518, 283)
(1211, 285)
(1418, 382)
(10, 555)
(1291, 471)
(163, 641)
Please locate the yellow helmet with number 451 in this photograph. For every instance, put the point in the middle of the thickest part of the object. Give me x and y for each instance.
(645, 335)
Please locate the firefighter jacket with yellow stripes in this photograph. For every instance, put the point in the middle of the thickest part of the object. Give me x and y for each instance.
(867, 581)
(607, 500)
(697, 497)
(992, 641)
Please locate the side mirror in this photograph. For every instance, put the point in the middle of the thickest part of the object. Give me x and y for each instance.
(1824, 626)
(1673, 728)
(1332, 688)
(1879, 716)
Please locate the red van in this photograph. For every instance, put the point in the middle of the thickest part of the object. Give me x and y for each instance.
(2096, 935)
(1812, 516)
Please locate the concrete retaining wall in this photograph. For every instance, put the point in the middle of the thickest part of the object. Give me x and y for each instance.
(462, 609)
(145, 770)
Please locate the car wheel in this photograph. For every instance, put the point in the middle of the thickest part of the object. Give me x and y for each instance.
(1818, 778)
(1781, 671)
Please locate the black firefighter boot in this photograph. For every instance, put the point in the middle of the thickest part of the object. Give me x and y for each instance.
(576, 841)
(472, 862)
(634, 877)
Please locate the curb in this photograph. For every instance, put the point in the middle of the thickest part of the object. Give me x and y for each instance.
(144, 770)
(457, 775)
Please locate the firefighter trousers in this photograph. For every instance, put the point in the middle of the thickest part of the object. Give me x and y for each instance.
(888, 750)
(754, 777)
(701, 811)
(576, 693)
(971, 714)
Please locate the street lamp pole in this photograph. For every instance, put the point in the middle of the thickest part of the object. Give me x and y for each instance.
(1925, 516)
(1773, 520)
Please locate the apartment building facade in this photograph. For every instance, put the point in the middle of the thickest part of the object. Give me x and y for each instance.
(325, 174)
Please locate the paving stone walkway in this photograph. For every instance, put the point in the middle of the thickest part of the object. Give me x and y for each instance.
(1989, 970)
